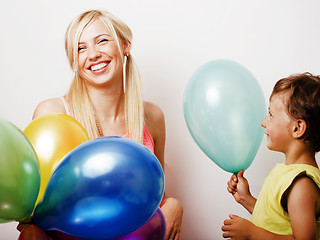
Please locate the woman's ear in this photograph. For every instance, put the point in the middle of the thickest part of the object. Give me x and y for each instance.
(126, 47)
(299, 128)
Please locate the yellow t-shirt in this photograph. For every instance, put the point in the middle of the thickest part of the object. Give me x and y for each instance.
(268, 212)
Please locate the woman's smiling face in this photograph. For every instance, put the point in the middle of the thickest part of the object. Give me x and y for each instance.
(99, 57)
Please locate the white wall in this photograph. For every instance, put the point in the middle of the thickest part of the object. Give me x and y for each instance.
(273, 39)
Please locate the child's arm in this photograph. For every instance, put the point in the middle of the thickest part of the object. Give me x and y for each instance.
(302, 200)
(239, 188)
(239, 228)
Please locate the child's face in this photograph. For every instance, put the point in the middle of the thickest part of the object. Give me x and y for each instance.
(278, 124)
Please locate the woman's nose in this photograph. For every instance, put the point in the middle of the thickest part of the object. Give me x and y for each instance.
(93, 53)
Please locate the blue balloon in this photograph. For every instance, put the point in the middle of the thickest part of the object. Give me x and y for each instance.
(103, 189)
(223, 107)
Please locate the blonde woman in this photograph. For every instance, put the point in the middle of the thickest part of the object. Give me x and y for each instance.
(105, 94)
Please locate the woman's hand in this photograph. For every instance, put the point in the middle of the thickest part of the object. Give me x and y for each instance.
(172, 211)
(23, 224)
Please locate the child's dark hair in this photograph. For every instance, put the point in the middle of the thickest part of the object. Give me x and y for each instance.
(303, 102)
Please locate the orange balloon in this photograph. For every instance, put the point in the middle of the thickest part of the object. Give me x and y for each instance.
(53, 136)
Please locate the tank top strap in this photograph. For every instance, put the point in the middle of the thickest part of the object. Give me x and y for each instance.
(147, 139)
(66, 106)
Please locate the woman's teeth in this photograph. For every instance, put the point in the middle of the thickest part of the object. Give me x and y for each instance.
(98, 66)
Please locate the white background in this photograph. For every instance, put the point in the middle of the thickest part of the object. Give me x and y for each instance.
(272, 39)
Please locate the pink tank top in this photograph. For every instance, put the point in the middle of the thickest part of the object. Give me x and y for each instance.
(147, 138)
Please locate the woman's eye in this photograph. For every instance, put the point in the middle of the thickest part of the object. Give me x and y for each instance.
(103, 40)
(81, 48)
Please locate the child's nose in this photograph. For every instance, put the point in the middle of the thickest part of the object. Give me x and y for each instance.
(263, 122)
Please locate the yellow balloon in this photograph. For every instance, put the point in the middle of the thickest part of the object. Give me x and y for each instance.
(53, 136)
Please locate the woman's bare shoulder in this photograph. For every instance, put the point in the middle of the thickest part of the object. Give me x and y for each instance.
(52, 105)
(153, 113)
(155, 121)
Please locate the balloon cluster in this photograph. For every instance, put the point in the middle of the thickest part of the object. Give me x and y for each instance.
(75, 188)
(223, 107)
(111, 187)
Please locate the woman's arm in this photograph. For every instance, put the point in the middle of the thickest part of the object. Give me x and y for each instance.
(170, 207)
(53, 105)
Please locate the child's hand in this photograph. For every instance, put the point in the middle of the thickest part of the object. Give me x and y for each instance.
(232, 185)
(236, 228)
(239, 188)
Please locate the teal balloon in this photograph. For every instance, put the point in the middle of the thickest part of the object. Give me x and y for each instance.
(19, 174)
(223, 107)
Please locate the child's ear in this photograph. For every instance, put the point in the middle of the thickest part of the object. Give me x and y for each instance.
(299, 128)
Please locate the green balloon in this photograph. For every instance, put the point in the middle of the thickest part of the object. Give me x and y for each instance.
(223, 107)
(19, 174)
(4, 221)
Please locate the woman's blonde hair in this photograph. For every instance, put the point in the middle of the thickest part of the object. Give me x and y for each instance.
(79, 99)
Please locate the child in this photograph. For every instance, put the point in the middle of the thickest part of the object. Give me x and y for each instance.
(288, 206)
